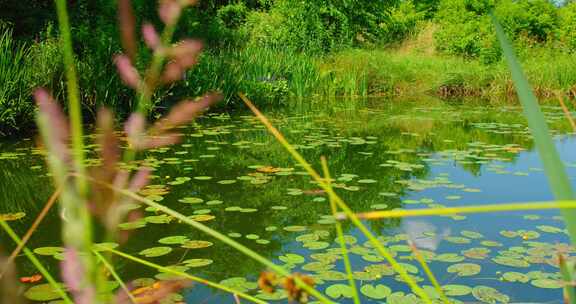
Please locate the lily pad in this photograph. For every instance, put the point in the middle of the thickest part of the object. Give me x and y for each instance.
(155, 251)
(489, 295)
(456, 290)
(547, 283)
(171, 240)
(42, 293)
(197, 262)
(196, 244)
(338, 291)
(464, 269)
(377, 292)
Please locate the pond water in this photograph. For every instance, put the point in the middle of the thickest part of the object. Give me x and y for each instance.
(232, 175)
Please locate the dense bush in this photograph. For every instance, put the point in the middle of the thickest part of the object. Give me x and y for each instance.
(466, 29)
(568, 25)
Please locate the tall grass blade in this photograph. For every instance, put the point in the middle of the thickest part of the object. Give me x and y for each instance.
(33, 228)
(429, 273)
(115, 276)
(467, 209)
(349, 213)
(217, 235)
(555, 170)
(341, 240)
(185, 275)
(30, 255)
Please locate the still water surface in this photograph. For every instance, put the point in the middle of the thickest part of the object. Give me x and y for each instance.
(383, 155)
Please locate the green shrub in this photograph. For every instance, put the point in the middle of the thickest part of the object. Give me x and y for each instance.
(15, 77)
(568, 25)
(465, 29)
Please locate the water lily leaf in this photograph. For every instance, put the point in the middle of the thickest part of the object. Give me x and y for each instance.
(191, 200)
(471, 234)
(155, 251)
(197, 262)
(203, 178)
(510, 261)
(239, 284)
(457, 240)
(42, 293)
(292, 258)
(295, 228)
(333, 275)
(455, 290)
(202, 217)
(549, 229)
(546, 283)
(489, 295)
(196, 244)
(464, 269)
(172, 240)
(316, 245)
(226, 182)
(7, 217)
(366, 181)
(277, 295)
(338, 291)
(449, 258)
(377, 292)
(513, 276)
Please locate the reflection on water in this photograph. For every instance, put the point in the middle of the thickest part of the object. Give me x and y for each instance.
(383, 155)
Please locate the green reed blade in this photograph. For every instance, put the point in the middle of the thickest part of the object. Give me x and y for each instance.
(217, 235)
(553, 166)
(349, 213)
(115, 275)
(30, 255)
(185, 275)
(340, 233)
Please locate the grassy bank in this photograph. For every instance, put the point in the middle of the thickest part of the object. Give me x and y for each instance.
(270, 75)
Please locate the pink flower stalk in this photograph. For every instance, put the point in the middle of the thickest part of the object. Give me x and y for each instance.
(73, 273)
(184, 112)
(134, 128)
(172, 72)
(169, 11)
(127, 23)
(57, 121)
(150, 36)
(127, 71)
(186, 52)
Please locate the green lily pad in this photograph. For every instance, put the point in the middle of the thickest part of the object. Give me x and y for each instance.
(464, 269)
(292, 258)
(455, 290)
(155, 251)
(172, 240)
(489, 295)
(338, 291)
(196, 244)
(547, 283)
(43, 293)
(449, 258)
(510, 261)
(513, 276)
(191, 200)
(197, 262)
(377, 292)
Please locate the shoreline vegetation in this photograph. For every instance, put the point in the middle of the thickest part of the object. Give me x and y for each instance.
(400, 49)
